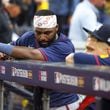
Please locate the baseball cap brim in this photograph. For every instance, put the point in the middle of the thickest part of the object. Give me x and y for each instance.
(94, 33)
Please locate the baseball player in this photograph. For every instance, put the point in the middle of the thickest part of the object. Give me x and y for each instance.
(45, 44)
(97, 53)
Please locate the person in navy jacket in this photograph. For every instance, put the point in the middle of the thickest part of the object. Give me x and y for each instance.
(45, 44)
(97, 53)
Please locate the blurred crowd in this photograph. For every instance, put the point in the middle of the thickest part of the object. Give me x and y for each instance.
(16, 15)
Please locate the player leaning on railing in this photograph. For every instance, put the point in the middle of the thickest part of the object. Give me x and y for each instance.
(44, 43)
(97, 53)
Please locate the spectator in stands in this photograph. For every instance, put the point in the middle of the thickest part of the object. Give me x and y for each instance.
(27, 13)
(24, 20)
(11, 8)
(85, 15)
(105, 13)
(97, 53)
(5, 26)
(45, 44)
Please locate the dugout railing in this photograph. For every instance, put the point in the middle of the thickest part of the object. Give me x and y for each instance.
(83, 79)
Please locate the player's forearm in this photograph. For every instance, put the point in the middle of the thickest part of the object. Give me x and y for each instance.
(20, 52)
(15, 51)
(27, 53)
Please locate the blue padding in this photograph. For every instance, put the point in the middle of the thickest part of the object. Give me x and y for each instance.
(5, 48)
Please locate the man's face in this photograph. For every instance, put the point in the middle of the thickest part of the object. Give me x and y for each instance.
(14, 10)
(46, 36)
(94, 46)
(100, 3)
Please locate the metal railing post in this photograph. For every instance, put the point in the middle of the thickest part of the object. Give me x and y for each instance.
(1, 94)
(46, 100)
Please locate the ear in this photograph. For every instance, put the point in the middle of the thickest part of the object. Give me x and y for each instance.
(108, 49)
(57, 27)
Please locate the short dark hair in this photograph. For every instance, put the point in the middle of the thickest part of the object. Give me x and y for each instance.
(1, 3)
(44, 13)
(19, 3)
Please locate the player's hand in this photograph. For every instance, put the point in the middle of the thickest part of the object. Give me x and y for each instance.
(1, 56)
(5, 57)
(69, 59)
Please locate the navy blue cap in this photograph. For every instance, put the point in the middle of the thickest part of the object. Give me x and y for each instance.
(102, 34)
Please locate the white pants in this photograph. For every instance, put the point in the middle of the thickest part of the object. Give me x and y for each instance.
(72, 106)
